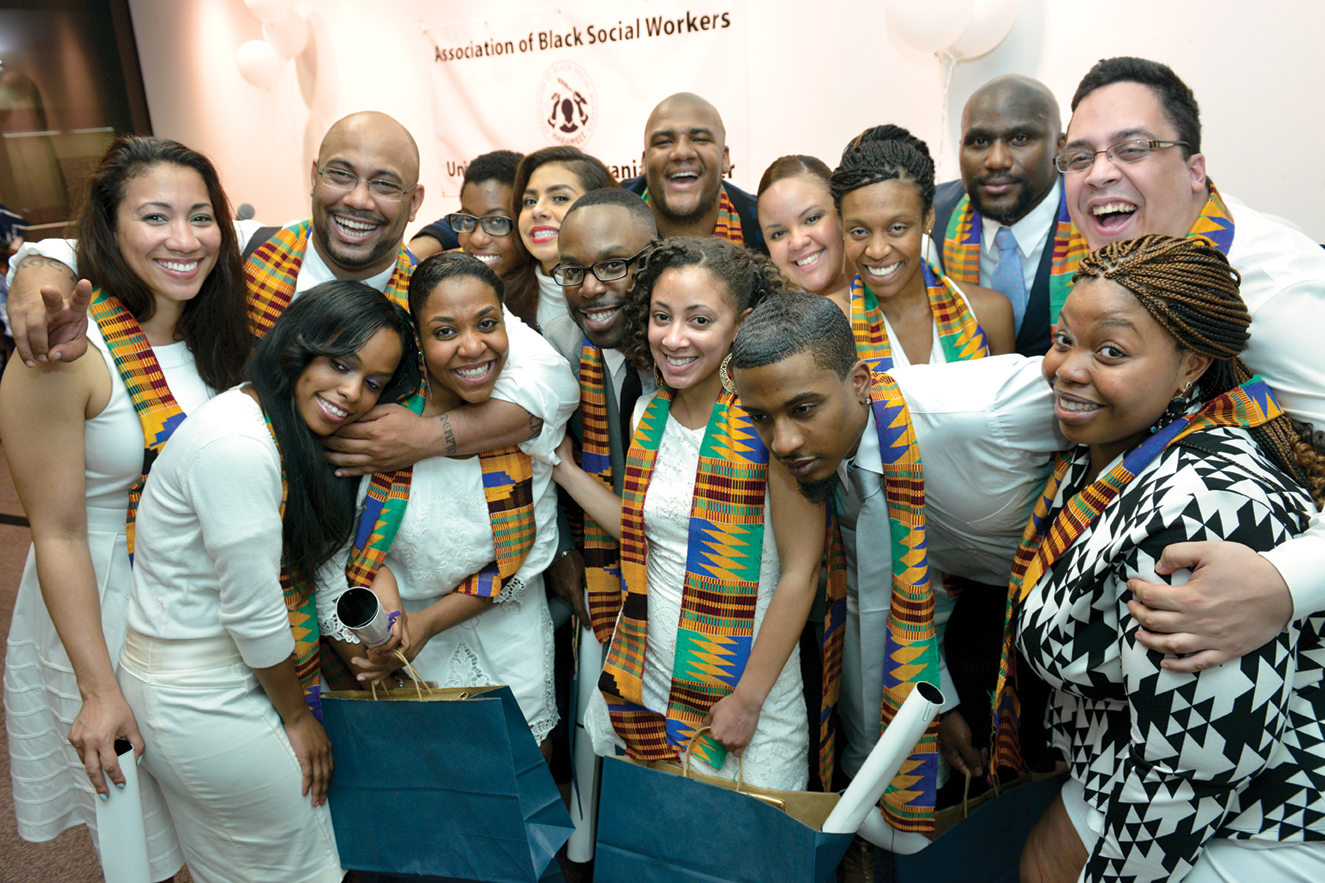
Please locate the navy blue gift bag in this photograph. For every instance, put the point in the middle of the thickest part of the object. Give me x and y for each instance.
(655, 825)
(448, 785)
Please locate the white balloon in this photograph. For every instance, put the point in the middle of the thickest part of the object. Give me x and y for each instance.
(259, 63)
(288, 36)
(929, 25)
(915, 56)
(268, 10)
(991, 20)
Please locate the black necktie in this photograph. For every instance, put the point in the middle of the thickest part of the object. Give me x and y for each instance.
(630, 392)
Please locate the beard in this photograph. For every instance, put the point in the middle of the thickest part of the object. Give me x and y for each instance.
(1007, 215)
(820, 491)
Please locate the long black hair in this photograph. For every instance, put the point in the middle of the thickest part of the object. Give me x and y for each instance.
(334, 319)
(214, 324)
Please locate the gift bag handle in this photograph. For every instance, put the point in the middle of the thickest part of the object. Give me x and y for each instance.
(419, 682)
(740, 772)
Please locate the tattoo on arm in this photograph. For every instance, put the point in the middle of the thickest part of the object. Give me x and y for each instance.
(35, 261)
(535, 426)
(451, 446)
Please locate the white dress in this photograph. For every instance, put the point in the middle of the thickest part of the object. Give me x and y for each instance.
(778, 754)
(50, 785)
(446, 536)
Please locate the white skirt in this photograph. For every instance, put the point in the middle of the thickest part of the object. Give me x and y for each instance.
(49, 783)
(219, 752)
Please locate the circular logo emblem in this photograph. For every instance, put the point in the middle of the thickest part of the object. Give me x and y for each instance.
(567, 104)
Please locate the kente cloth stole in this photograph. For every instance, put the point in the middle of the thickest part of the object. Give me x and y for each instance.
(728, 225)
(723, 555)
(911, 653)
(508, 485)
(960, 336)
(301, 607)
(1044, 541)
(270, 274)
(964, 239)
(602, 553)
(157, 410)
(835, 620)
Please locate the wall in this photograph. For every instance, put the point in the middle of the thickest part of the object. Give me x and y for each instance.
(819, 73)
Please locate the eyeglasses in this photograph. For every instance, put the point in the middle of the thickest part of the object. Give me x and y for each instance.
(493, 225)
(608, 270)
(1122, 152)
(379, 188)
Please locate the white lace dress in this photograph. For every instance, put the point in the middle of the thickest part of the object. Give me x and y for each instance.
(446, 535)
(777, 756)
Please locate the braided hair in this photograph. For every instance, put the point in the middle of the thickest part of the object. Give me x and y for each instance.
(1189, 288)
(748, 278)
(882, 153)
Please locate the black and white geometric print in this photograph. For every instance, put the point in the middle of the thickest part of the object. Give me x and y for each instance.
(1172, 759)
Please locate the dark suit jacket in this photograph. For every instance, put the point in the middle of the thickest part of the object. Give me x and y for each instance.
(743, 202)
(1033, 338)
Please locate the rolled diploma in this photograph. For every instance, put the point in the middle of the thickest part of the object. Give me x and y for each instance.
(121, 834)
(876, 830)
(892, 749)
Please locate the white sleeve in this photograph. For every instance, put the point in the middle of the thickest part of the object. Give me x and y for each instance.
(1285, 350)
(60, 249)
(234, 486)
(1299, 562)
(536, 376)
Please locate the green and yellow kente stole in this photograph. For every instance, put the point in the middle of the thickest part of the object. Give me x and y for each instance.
(960, 336)
(725, 548)
(157, 410)
(602, 553)
(1050, 533)
(911, 653)
(271, 271)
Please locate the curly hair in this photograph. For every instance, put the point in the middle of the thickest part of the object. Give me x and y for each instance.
(746, 278)
(1190, 289)
(884, 153)
(214, 324)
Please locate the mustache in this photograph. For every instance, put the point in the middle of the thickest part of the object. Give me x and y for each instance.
(998, 179)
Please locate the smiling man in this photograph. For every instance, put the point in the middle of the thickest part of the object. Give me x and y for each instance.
(984, 432)
(1133, 165)
(364, 189)
(602, 239)
(685, 161)
(1011, 130)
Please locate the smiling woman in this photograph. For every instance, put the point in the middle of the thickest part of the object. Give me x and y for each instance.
(220, 665)
(472, 595)
(1176, 441)
(168, 332)
(903, 310)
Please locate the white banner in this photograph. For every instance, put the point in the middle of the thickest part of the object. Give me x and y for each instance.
(586, 75)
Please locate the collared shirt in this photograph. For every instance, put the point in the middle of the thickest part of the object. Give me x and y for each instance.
(1033, 233)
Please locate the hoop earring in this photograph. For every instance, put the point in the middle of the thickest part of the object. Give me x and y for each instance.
(658, 378)
(724, 376)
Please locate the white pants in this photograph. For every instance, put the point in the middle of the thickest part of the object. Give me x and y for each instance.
(1221, 861)
(217, 748)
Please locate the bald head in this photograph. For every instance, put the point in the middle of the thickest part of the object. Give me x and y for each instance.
(685, 157)
(358, 225)
(1011, 129)
(384, 132)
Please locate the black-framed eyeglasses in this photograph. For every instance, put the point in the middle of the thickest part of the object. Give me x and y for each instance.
(607, 270)
(1130, 151)
(379, 188)
(493, 225)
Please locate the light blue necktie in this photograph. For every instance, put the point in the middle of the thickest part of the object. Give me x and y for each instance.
(1008, 277)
